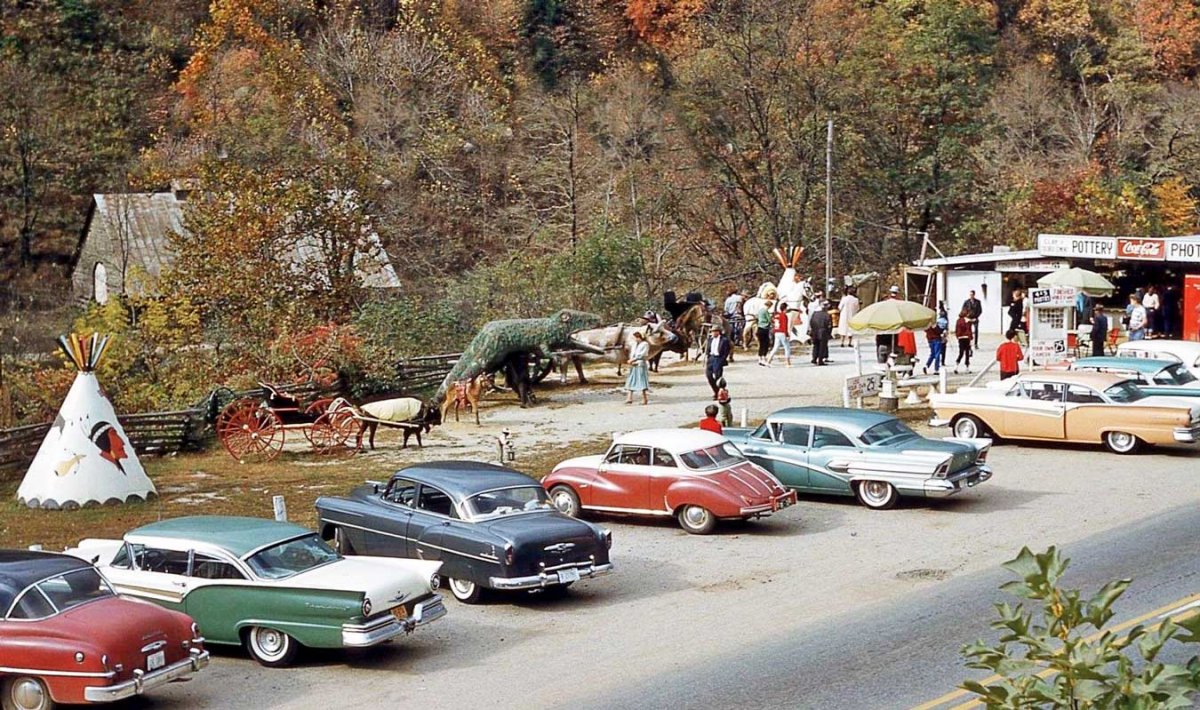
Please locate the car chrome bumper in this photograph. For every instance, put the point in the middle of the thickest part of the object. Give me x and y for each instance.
(778, 503)
(143, 681)
(1187, 435)
(944, 487)
(389, 627)
(546, 579)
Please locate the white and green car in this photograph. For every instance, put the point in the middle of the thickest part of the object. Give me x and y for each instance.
(268, 585)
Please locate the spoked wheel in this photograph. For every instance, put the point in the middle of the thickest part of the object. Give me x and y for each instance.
(697, 520)
(336, 433)
(466, 591)
(876, 495)
(26, 693)
(313, 412)
(250, 431)
(271, 647)
(1120, 442)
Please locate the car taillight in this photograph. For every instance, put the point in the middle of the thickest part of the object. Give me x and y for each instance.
(509, 554)
(366, 607)
(943, 470)
(608, 539)
(982, 457)
(435, 582)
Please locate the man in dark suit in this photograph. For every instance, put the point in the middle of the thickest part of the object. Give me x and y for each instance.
(974, 310)
(820, 329)
(1099, 331)
(718, 355)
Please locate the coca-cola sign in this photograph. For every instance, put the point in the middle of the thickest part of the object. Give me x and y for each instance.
(1141, 249)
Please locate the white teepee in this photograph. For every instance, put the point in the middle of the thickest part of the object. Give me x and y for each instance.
(86, 457)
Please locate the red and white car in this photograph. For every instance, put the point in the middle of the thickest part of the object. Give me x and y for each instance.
(696, 476)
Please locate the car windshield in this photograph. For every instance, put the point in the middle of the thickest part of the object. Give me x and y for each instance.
(1124, 392)
(712, 457)
(291, 557)
(887, 431)
(65, 591)
(1177, 375)
(506, 501)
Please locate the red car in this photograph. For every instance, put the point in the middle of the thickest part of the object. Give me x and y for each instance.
(696, 476)
(66, 637)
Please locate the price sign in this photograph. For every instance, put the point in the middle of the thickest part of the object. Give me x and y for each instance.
(864, 385)
(1044, 350)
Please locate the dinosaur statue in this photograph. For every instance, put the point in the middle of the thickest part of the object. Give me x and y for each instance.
(507, 344)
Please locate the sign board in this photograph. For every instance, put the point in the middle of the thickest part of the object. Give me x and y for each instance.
(1185, 249)
(1141, 249)
(1046, 350)
(1034, 266)
(864, 385)
(1052, 297)
(1077, 246)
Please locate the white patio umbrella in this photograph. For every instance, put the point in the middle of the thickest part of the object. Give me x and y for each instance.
(1089, 282)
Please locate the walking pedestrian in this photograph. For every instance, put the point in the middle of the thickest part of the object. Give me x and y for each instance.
(1137, 318)
(1016, 312)
(1099, 334)
(820, 329)
(964, 334)
(974, 310)
(847, 309)
(733, 313)
(718, 356)
(724, 403)
(709, 422)
(638, 379)
(933, 335)
(1009, 355)
(943, 321)
(779, 328)
(763, 325)
(885, 343)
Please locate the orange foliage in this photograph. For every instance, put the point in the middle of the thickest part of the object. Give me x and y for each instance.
(659, 22)
(1175, 205)
(1171, 31)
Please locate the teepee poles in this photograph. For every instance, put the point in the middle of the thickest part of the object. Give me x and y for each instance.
(84, 352)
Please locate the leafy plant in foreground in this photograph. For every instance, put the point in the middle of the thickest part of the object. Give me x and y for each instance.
(1061, 656)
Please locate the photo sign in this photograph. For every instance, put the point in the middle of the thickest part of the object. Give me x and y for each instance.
(1045, 350)
(864, 385)
(1052, 297)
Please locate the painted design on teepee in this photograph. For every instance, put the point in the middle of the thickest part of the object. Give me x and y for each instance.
(86, 458)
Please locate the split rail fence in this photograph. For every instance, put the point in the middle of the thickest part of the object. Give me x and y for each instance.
(191, 429)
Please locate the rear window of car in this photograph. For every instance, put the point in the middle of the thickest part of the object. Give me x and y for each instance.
(57, 594)
(1124, 392)
(885, 431)
(712, 457)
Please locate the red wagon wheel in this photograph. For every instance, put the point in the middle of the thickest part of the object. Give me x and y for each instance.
(250, 431)
(336, 433)
(314, 412)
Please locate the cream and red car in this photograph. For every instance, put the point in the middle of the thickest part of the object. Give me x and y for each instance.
(696, 476)
(1084, 407)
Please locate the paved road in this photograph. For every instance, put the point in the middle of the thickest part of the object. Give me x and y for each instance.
(826, 605)
(905, 653)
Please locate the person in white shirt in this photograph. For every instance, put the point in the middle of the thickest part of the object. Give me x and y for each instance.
(1137, 319)
(847, 308)
(1152, 305)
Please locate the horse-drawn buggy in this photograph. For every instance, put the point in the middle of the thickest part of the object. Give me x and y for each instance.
(256, 428)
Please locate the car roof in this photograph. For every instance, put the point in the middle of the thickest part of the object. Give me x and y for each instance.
(1161, 346)
(1098, 380)
(21, 568)
(238, 536)
(673, 440)
(853, 420)
(1144, 365)
(463, 479)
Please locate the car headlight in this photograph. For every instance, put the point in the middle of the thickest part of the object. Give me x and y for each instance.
(366, 607)
(435, 581)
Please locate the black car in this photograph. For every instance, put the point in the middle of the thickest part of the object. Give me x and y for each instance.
(491, 527)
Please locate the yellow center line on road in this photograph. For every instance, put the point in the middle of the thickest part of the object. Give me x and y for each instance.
(1186, 605)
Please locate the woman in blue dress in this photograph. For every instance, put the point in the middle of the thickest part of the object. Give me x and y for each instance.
(639, 374)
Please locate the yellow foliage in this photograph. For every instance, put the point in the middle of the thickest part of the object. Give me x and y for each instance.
(1175, 206)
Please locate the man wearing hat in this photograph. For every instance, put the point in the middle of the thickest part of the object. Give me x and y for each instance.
(885, 344)
(718, 355)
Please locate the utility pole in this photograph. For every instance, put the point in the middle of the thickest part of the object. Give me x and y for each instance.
(829, 207)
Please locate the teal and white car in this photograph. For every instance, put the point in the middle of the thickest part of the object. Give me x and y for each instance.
(872, 456)
(270, 586)
(1151, 376)
(1186, 352)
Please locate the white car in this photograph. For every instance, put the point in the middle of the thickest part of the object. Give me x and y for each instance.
(1184, 351)
(270, 586)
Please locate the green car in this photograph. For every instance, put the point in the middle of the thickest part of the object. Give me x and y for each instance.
(1153, 377)
(270, 586)
(872, 456)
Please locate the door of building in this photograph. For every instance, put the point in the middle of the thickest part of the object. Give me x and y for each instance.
(1191, 307)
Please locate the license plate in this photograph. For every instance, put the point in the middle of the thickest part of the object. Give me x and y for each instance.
(967, 483)
(569, 575)
(400, 613)
(156, 660)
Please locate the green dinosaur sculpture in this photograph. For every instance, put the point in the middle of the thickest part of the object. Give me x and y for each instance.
(506, 345)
